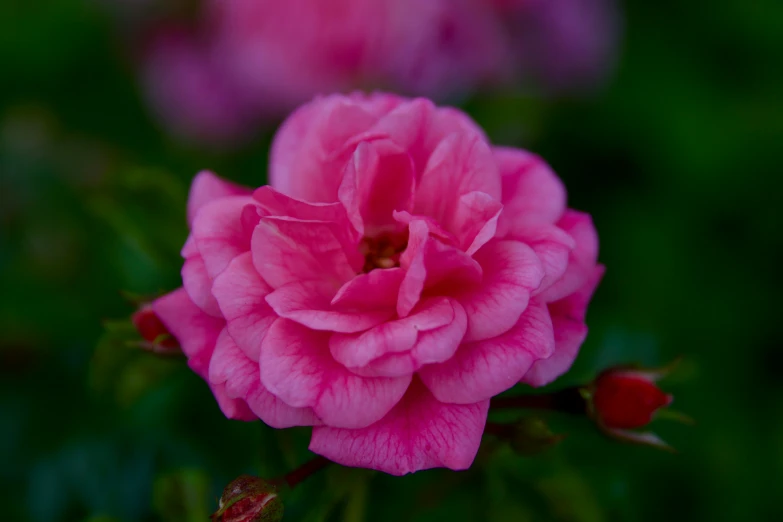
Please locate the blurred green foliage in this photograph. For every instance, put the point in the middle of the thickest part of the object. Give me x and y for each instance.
(677, 160)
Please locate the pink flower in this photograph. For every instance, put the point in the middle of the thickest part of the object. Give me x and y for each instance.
(396, 274)
(249, 60)
(562, 45)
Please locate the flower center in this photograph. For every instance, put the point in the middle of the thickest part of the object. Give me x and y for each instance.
(383, 250)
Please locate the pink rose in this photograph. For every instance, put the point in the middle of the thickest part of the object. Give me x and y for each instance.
(246, 61)
(396, 274)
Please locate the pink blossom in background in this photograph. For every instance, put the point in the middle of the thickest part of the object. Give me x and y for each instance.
(397, 273)
(562, 45)
(247, 61)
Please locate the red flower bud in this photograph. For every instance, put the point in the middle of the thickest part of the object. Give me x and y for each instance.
(623, 399)
(153, 331)
(249, 499)
(627, 399)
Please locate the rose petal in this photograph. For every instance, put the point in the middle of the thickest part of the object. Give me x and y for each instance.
(483, 369)
(198, 285)
(581, 260)
(461, 163)
(297, 367)
(532, 193)
(241, 293)
(476, 220)
(378, 180)
(302, 163)
(208, 187)
(236, 409)
(309, 303)
(373, 290)
(433, 346)
(356, 350)
(286, 250)
(419, 433)
(241, 379)
(219, 232)
(511, 272)
(568, 316)
(196, 331)
(429, 263)
(553, 247)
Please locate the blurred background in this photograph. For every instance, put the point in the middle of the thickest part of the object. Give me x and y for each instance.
(669, 136)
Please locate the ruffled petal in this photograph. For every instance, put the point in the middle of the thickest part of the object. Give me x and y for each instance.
(461, 163)
(240, 378)
(309, 303)
(483, 369)
(198, 285)
(511, 272)
(553, 247)
(287, 250)
(419, 433)
(236, 409)
(432, 346)
(308, 151)
(374, 290)
(208, 187)
(476, 220)
(219, 232)
(431, 264)
(274, 203)
(568, 317)
(581, 260)
(358, 349)
(241, 293)
(378, 180)
(532, 193)
(297, 367)
(196, 331)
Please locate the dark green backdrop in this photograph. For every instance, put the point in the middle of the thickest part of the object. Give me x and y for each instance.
(678, 160)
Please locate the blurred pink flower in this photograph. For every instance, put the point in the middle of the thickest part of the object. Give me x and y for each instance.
(396, 274)
(561, 45)
(251, 60)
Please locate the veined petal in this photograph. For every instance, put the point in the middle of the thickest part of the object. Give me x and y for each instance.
(511, 272)
(219, 232)
(241, 294)
(241, 379)
(196, 331)
(483, 369)
(297, 367)
(208, 187)
(532, 193)
(419, 433)
(309, 303)
(287, 250)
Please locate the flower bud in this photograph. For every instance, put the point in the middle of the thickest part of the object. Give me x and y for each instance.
(627, 400)
(622, 399)
(155, 334)
(249, 499)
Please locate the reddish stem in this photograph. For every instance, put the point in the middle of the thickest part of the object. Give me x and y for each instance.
(305, 470)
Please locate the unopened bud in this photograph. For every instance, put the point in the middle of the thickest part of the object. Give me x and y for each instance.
(249, 499)
(624, 399)
(156, 336)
